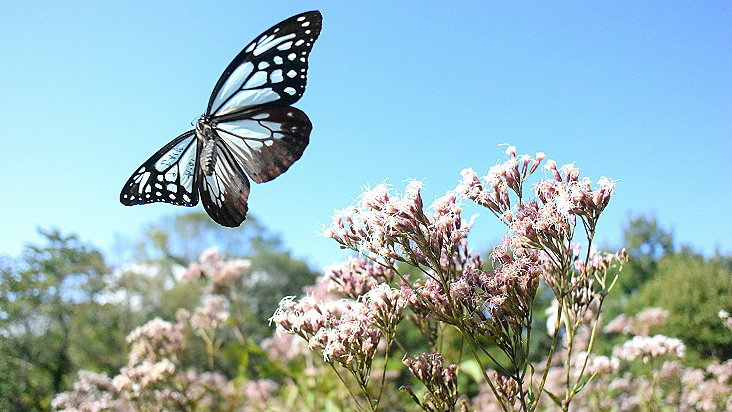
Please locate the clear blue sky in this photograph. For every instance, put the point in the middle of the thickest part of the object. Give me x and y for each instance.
(641, 92)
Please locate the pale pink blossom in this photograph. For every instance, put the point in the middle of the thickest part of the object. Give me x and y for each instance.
(222, 273)
(210, 315)
(156, 340)
(92, 392)
(647, 348)
(640, 325)
(257, 393)
(136, 379)
(355, 277)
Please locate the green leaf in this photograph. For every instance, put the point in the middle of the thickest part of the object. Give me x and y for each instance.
(554, 397)
(472, 368)
(579, 388)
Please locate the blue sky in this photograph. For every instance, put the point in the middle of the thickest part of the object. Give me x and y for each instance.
(637, 92)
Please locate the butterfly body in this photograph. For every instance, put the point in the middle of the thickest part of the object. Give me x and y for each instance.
(249, 128)
(205, 133)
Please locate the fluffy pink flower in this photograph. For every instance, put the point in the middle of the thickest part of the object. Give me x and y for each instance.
(646, 347)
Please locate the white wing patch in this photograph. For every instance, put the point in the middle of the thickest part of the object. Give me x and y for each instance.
(167, 176)
(233, 83)
(248, 98)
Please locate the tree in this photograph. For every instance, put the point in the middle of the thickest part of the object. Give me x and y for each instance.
(693, 289)
(51, 320)
(647, 242)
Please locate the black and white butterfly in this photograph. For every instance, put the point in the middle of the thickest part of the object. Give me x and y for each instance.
(249, 126)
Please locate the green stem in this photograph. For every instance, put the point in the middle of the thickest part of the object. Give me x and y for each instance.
(389, 341)
(348, 387)
(550, 356)
(485, 375)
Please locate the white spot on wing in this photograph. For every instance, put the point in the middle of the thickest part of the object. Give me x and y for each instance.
(277, 59)
(285, 46)
(290, 90)
(276, 76)
(143, 181)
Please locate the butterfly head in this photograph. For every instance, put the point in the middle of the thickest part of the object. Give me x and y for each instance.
(204, 128)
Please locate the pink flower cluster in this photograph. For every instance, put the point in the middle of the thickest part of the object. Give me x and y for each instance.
(585, 296)
(93, 392)
(492, 303)
(346, 331)
(157, 339)
(439, 379)
(386, 227)
(258, 394)
(210, 315)
(222, 273)
(133, 380)
(355, 277)
(640, 325)
(649, 347)
(492, 191)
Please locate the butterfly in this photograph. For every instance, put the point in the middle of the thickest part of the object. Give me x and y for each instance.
(249, 128)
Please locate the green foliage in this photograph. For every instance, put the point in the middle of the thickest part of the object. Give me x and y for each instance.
(51, 319)
(646, 242)
(693, 290)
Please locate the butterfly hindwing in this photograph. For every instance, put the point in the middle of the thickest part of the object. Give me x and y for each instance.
(272, 69)
(268, 141)
(224, 194)
(167, 176)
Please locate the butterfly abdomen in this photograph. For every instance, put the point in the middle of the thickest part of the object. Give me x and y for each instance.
(208, 156)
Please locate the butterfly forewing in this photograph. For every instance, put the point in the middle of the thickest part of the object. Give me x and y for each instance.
(268, 141)
(167, 176)
(272, 69)
(224, 194)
